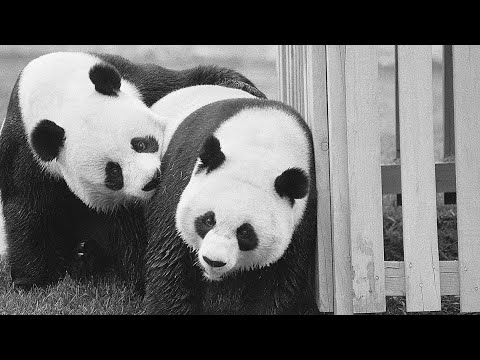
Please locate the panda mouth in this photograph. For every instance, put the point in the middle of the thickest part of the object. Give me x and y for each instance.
(213, 277)
(213, 274)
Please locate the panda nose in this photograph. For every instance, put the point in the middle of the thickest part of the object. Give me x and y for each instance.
(153, 183)
(213, 263)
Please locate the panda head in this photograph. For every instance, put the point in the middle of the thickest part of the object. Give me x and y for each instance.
(104, 143)
(233, 224)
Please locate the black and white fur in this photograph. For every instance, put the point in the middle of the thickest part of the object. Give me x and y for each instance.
(80, 152)
(232, 227)
(82, 120)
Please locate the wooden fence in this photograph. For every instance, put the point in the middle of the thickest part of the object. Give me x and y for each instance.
(335, 88)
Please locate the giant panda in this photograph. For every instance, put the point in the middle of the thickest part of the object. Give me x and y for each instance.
(79, 156)
(232, 225)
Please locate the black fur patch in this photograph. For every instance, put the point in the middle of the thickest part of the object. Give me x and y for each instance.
(153, 183)
(205, 223)
(47, 138)
(106, 78)
(247, 237)
(237, 84)
(113, 176)
(147, 144)
(293, 184)
(211, 154)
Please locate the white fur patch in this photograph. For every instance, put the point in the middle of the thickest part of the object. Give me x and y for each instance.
(3, 124)
(259, 145)
(176, 106)
(98, 128)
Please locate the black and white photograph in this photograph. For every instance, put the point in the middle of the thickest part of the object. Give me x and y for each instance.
(300, 180)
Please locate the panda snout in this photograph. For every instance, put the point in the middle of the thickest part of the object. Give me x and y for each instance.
(152, 184)
(214, 263)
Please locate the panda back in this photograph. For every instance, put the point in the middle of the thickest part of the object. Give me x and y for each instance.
(178, 105)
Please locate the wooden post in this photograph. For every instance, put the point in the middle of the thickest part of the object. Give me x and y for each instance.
(420, 239)
(466, 71)
(339, 187)
(365, 183)
(316, 115)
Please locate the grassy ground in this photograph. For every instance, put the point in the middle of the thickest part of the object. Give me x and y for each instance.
(100, 296)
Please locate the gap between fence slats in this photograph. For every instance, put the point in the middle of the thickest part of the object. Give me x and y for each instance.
(444, 178)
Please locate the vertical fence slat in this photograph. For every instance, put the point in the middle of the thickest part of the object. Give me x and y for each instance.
(339, 191)
(466, 71)
(302, 83)
(420, 240)
(365, 182)
(316, 115)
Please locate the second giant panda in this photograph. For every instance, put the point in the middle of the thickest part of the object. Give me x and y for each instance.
(232, 225)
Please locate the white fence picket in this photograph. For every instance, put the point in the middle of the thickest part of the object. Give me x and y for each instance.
(365, 182)
(420, 239)
(339, 191)
(466, 71)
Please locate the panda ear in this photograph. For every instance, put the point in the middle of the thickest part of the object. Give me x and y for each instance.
(293, 184)
(211, 154)
(47, 138)
(106, 78)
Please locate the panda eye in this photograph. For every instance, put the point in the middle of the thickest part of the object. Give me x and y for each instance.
(205, 223)
(141, 146)
(209, 220)
(147, 144)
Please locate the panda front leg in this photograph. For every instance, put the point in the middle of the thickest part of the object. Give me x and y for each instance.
(37, 236)
(173, 281)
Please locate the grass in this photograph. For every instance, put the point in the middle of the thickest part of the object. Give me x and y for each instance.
(97, 296)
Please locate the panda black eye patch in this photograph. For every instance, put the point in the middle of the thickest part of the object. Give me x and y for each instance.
(113, 176)
(147, 144)
(246, 237)
(205, 223)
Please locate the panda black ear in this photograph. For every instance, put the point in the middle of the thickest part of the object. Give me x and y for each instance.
(106, 78)
(293, 184)
(47, 138)
(211, 154)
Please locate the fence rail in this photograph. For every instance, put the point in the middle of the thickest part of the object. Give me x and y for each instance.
(335, 87)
